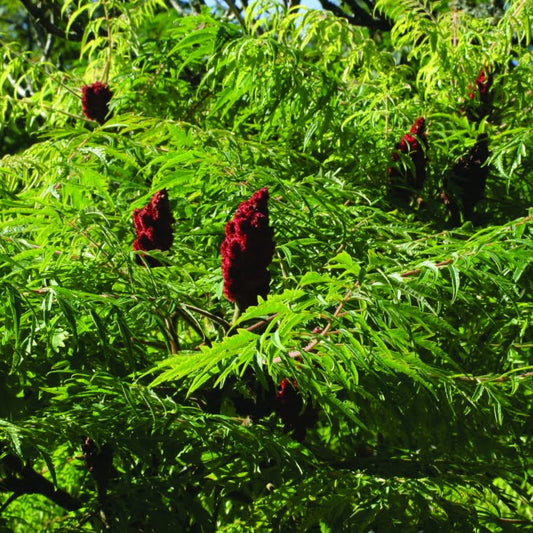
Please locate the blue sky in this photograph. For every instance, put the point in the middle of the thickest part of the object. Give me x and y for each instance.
(313, 4)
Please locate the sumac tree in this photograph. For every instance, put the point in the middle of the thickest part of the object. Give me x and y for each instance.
(379, 379)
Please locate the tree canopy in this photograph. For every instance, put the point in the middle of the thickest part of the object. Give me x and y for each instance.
(266, 268)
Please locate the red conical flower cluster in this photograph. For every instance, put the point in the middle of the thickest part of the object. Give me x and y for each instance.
(478, 108)
(153, 226)
(290, 408)
(95, 101)
(247, 251)
(483, 84)
(402, 179)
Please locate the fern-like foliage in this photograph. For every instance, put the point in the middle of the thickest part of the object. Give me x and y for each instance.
(400, 330)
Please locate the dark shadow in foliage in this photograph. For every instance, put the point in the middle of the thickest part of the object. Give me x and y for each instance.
(506, 200)
(99, 463)
(255, 399)
(464, 184)
(249, 396)
(296, 416)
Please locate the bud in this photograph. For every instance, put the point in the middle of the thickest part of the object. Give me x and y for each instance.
(153, 226)
(94, 100)
(247, 252)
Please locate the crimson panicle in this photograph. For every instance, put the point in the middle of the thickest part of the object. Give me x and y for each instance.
(95, 101)
(483, 84)
(290, 408)
(403, 179)
(153, 227)
(481, 107)
(247, 251)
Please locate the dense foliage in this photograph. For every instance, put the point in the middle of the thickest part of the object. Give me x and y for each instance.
(383, 381)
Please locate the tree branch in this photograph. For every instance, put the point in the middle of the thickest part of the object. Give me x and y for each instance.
(39, 15)
(360, 16)
(23, 479)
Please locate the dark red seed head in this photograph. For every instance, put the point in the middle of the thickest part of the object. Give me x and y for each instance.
(247, 251)
(465, 184)
(95, 100)
(153, 226)
(402, 177)
(419, 126)
(483, 84)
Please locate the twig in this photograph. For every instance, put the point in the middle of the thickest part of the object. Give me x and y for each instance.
(414, 272)
(454, 22)
(12, 498)
(262, 323)
(235, 10)
(40, 18)
(417, 271)
(21, 91)
(152, 344)
(107, 65)
(219, 320)
(171, 334)
(177, 7)
(282, 266)
(48, 108)
(499, 379)
(518, 9)
(297, 353)
(23, 479)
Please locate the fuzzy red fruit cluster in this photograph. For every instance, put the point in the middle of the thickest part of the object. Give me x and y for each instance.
(414, 144)
(290, 408)
(481, 106)
(247, 251)
(95, 100)
(483, 83)
(153, 227)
